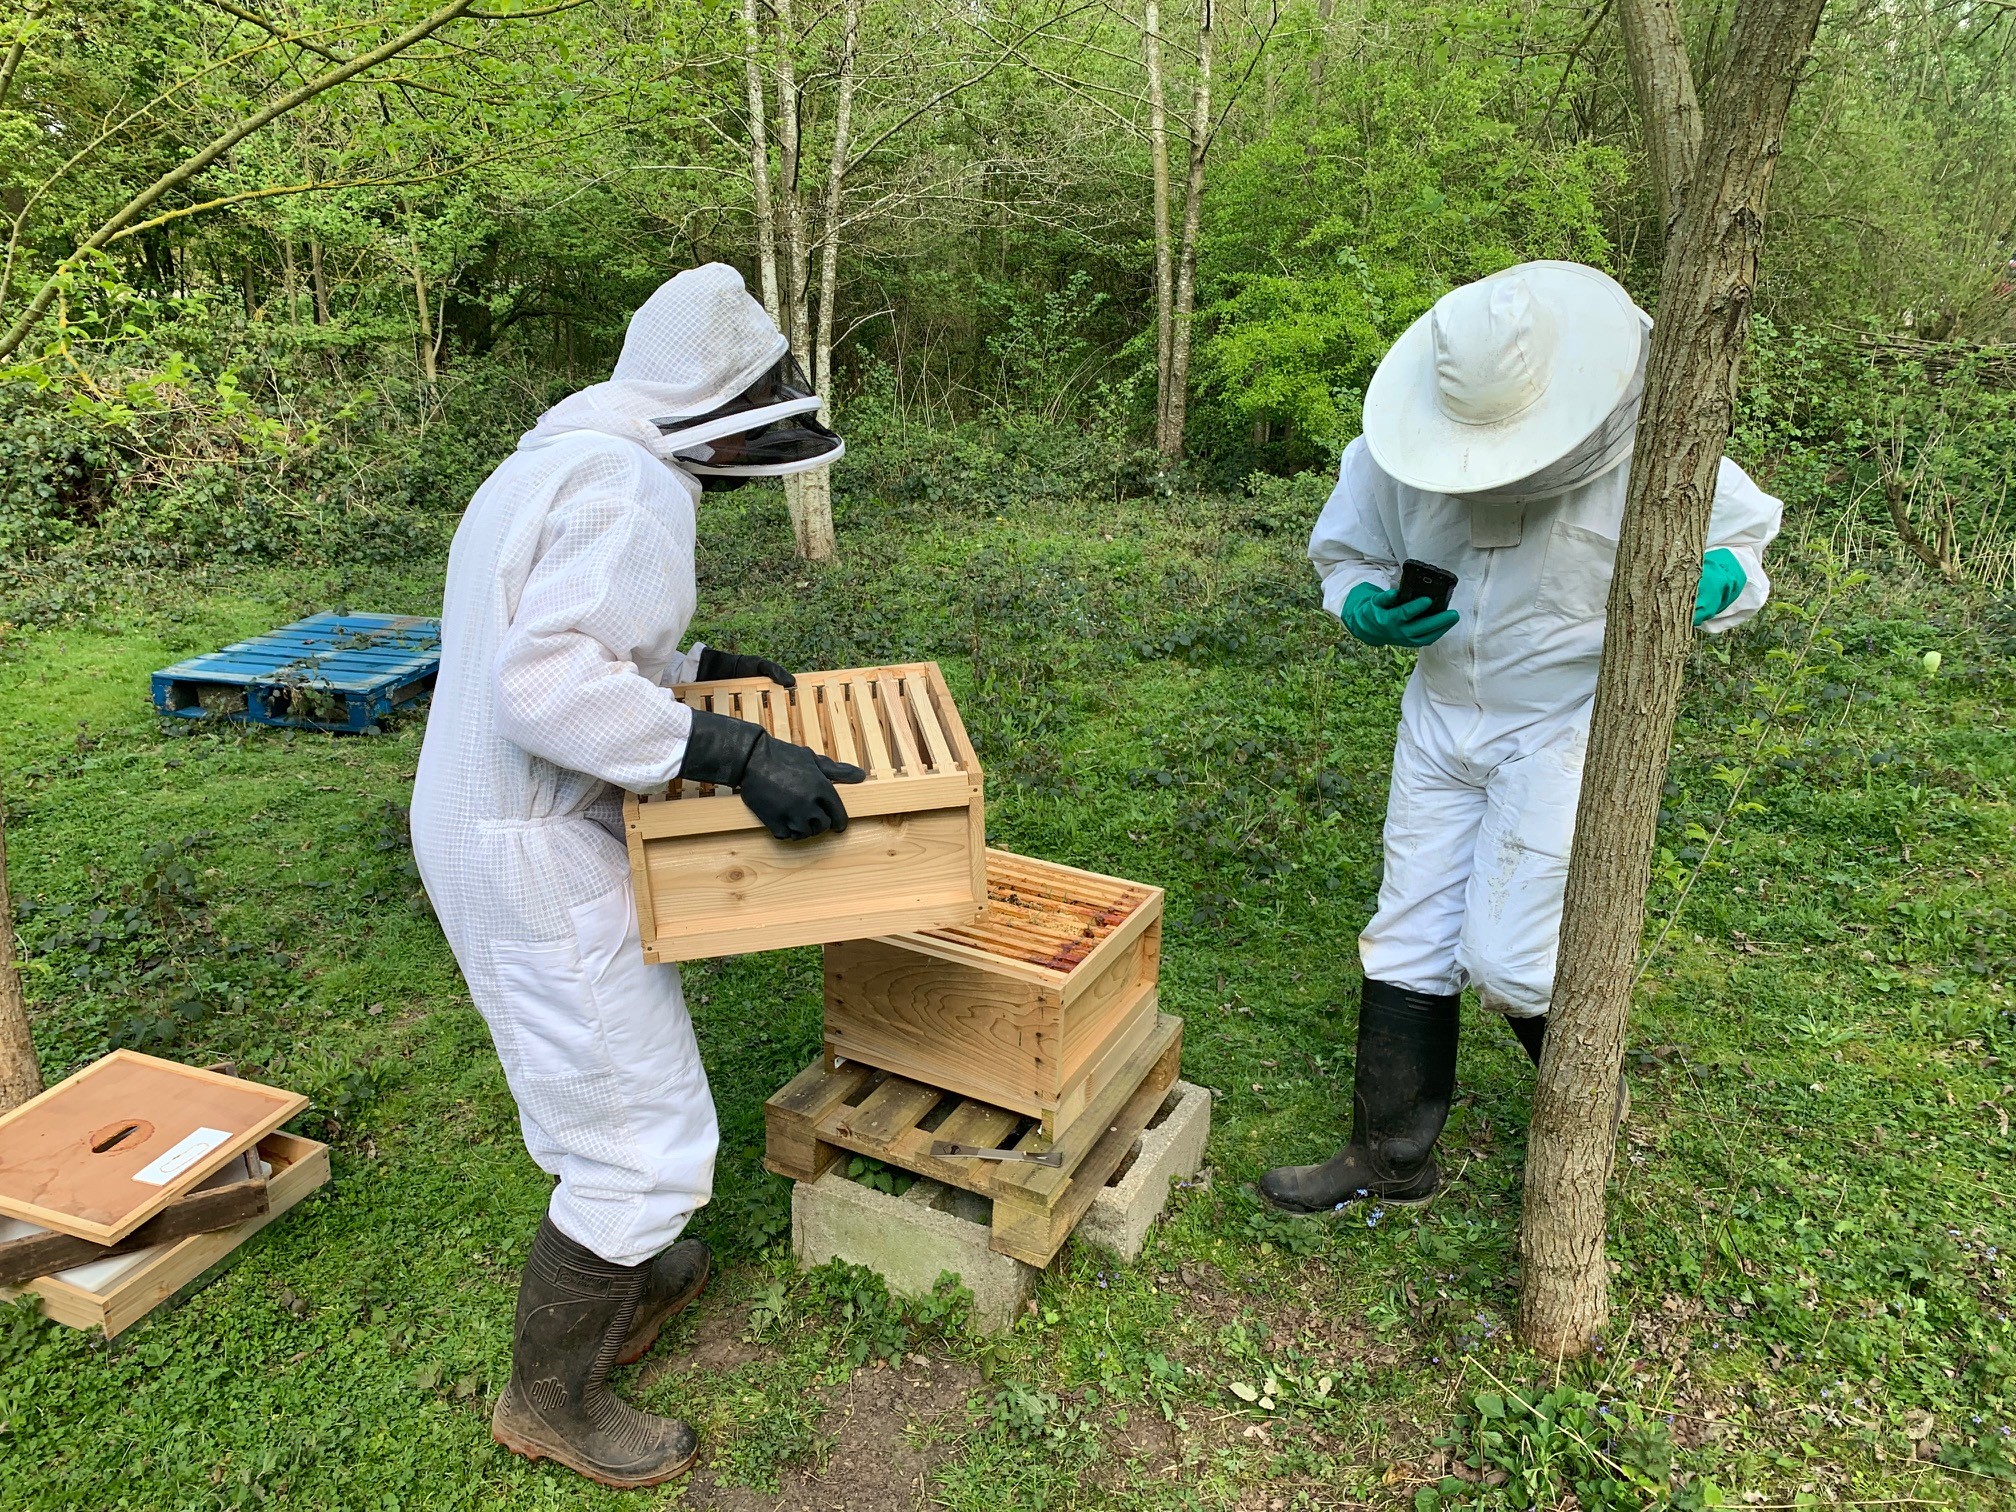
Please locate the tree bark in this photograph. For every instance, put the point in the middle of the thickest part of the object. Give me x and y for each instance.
(1690, 388)
(1171, 440)
(20, 1071)
(1656, 52)
(1165, 277)
(1319, 60)
(812, 514)
(317, 281)
(802, 502)
(426, 322)
(759, 162)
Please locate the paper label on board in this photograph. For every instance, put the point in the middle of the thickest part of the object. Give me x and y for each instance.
(166, 1168)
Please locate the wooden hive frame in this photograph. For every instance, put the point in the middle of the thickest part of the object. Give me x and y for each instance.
(710, 880)
(825, 1112)
(1032, 1007)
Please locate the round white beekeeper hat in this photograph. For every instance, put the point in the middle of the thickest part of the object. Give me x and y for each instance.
(1503, 377)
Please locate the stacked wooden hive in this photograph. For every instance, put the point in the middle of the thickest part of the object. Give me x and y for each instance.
(991, 1020)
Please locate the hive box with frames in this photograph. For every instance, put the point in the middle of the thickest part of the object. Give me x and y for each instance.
(711, 881)
(1035, 1007)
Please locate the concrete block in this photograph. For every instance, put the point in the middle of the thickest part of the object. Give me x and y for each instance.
(910, 1241)
(1169, 1150)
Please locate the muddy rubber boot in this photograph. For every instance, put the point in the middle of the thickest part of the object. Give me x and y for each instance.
(672, 1281)
(1532, 1033)
(575, 1311)
(1403, 1083)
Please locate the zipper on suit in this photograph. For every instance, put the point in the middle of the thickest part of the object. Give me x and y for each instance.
(1476, 628)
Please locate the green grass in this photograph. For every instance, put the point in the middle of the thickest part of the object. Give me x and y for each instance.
(1810, 1224)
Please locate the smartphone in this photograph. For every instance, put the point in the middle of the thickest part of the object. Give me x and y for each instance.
(1420, 580)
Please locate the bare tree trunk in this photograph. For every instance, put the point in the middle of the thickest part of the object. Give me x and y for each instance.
(1165, 277)
(812, 517)
(292, 279)
(20, 1072)
(759, 162)
(1171, 440)
(1319, 60)
(1656, 52)
(790, 150)
(797, 272)
(426, 322)
(317, 281)
(1690, 390)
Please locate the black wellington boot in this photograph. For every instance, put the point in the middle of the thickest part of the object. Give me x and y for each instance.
(1405, 1078)
(671, 1282)
(575, 1312)
(1532, 1033)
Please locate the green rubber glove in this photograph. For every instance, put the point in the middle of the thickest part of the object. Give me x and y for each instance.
(1722, 581)
(1371, 613)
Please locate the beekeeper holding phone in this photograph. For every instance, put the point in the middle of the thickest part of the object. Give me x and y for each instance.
(1497, 441)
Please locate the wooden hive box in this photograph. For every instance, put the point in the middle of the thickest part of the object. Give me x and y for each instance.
(1034, 1007)
(114, 1294)
(711, 881)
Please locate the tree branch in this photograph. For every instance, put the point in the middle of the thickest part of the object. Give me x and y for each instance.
(196, 163)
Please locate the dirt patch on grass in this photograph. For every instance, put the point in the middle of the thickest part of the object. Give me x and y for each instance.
(884, 1436)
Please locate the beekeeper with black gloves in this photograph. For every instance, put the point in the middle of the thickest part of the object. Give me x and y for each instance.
(1498, 433)
(570, 586)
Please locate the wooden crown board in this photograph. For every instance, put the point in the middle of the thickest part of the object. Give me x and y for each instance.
(114, 1293)
(898, 724)
(101, 1153)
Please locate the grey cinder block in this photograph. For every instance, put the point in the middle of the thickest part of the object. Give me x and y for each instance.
(910, 1241)
(1169, 1150)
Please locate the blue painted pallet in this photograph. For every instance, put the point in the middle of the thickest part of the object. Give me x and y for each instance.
(338, 672)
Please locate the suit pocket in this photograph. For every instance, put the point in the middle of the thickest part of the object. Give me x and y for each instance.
(552, 1026)
(1575, 577)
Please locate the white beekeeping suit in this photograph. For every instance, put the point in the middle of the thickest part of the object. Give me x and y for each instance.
(570, 587)
(1498, 436)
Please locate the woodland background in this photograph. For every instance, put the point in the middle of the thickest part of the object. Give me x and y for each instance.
(1092, 407)
(1020, 246)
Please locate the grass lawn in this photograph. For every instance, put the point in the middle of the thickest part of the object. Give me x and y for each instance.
(1812, 1215)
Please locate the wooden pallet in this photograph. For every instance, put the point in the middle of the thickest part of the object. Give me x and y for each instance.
(1033, 1007)
(336, 672)
(711, 881)
(825, 1112)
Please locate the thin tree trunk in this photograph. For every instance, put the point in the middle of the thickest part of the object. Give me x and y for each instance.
(1165, 277)
(836, 184)
(1319, 60)
(759, 162)
(812, 516)
(20, 1072)
(802, 503)
(426, 322)
(1186, 256)
(1656, 52)
(292, 278)
(790, 150)
(317, 281)
(1690, 388)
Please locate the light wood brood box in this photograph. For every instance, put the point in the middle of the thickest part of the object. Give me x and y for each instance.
(711, 881)
(1033, 1007)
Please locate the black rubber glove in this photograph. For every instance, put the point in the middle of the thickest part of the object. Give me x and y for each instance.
(787, 786)
(720, 666)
